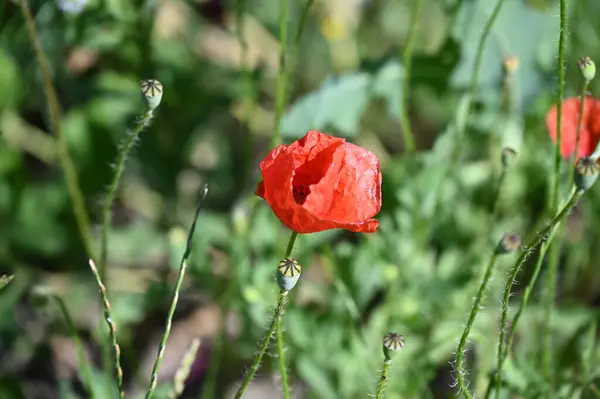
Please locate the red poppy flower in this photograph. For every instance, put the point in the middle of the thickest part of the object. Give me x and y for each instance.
(321, 182)
(590, 126)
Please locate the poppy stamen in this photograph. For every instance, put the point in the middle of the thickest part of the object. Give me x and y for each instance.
(300, 192)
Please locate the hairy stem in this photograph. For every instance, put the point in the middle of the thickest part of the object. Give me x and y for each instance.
(382, 383)
(112, 328)
(182, 269)
(66, 163)
(129, 143)
(280, 94)
(544, 237)
(274, 327)
(473, 314)
(264, 344)
(552, 271)
(409, 139)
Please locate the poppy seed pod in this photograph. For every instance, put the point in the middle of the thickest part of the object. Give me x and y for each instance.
(320, 183)
(586, 173)
(392, 342)
(510, 242)
(587, 68)
(152, 91)
(288, 273)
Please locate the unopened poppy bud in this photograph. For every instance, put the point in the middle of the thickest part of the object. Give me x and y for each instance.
(587, 68)
(288, 273)
(510, 242)
(392, 342)
(152, 91)
(508, 157)
(586, 173)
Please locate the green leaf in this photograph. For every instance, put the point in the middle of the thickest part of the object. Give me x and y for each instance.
(5, 280)
(338, 104)
(519, 31)
(316, 377)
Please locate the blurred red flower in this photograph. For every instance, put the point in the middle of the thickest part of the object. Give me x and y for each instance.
(590, 126)
(321, 182)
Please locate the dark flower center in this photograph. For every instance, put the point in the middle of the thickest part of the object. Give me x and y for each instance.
(300, 192)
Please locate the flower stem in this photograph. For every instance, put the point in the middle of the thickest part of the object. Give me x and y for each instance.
(114, 185)
(280, 94)
(274, 328)
(281, 355)
(83, 364)
(66, 163)
(382, 383)
(409, 139)
(580, 121)
(552, 270)
(112, 328)
(461, 131)
(543, 239)
(182, 269)
(264, 344)
(462, 386)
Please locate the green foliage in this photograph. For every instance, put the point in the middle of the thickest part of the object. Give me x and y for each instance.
(416, 276)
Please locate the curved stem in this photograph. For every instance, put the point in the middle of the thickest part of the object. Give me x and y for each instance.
(282, 74)
(83, 364)
(544, 237)
(182, 269)
(575, 155)
(382, 383)
(409, 139)
(475, 78)
(112, 328)
(264, 344)
(143, 122)
(66, 163)
(465, 335)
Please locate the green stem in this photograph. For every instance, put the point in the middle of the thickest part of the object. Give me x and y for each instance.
(274, 327)
(382, 383)
(575, 155)
(112, 328)
(66, 163)
(409, 139)
(544, 238)
(182, 269)
(552, 270)
(298, 37)
(114, 185)
(281, 73)
(264, 344)
(281, 354)
(83, 364)
(475, 79)
(465, 335)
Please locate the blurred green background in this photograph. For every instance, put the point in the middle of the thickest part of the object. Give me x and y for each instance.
(416, 276)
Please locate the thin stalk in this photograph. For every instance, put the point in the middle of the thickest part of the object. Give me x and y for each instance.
(280, 94)
(66, 163)
(264, 344)
(298, 36)
(575, 155)
(112, 328)
(475, 79)
(183, 371)
(542, 238)
(409, 138)
(382, 383)
(83, 364)
(182, 269)
(462, 386)
(129, 143)
(273, 327)
(552, 270)
(281, 355)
